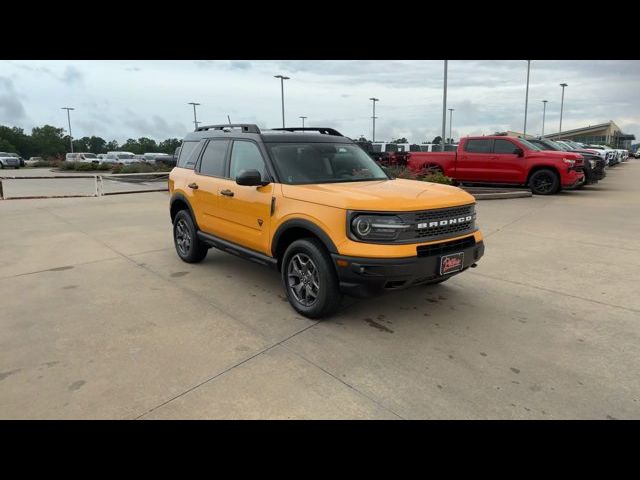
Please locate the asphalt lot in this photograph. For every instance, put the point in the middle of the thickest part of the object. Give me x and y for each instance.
(70, 186)
(100, 319)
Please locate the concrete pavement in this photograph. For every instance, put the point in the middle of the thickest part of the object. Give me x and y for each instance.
(100, 319)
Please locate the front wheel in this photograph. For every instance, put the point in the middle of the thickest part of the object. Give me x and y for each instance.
(544, 182)
(310, 279)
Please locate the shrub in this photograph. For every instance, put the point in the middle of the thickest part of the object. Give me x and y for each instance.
(84, 167)
(401, 172)
(438, 177)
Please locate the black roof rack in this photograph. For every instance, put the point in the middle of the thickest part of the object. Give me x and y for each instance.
(323, 130)
(246, 127)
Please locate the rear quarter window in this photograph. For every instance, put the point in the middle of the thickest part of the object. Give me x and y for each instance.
(186, 159)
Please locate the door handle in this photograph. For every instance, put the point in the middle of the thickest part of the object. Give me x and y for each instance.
(226, 193)
(193, 185)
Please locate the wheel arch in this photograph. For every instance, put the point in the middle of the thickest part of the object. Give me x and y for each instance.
(179, 202)
(296, 228)
(537, 168)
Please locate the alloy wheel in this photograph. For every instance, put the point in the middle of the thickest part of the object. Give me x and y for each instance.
(303, 279)
(183, 237)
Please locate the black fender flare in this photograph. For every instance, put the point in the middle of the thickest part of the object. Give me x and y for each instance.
(306, 224)
(179, 196)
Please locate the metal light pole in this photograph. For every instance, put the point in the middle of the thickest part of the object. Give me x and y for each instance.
(544, 112)
(561, 108)
(302, 120)
(374, 100)
(444, 105)
(282, 79)
(195, 120)
(526, 100)
(450, 122)
(69, 119)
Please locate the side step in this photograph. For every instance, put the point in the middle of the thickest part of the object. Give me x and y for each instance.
(237, 250)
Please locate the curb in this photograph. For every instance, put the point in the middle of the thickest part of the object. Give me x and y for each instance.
(501, 195)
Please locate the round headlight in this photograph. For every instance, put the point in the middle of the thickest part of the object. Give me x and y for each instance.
(362, 226)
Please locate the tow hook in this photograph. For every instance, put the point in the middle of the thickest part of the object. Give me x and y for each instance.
(474, 265)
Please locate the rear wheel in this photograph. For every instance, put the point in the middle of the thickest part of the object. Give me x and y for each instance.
(188, 246)
(310, 279)
(544, 182)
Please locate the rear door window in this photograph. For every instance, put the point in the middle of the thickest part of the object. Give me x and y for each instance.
(213, 158)
(478, 146)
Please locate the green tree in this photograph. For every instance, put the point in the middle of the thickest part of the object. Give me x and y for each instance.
(48, 141)
(400, 140)
(6, 146)
(437, 140)
(112, 146)
(169, 145)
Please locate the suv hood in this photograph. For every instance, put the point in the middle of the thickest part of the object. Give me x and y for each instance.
(398, 195)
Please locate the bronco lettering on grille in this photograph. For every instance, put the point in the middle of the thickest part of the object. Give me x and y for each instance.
(444, 223)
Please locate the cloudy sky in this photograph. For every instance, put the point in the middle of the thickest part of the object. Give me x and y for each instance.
(130, 99)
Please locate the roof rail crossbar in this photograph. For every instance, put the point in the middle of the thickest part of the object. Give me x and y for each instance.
(246, 127)
(323, 130)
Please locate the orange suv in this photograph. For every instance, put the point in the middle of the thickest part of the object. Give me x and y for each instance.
(312, 204)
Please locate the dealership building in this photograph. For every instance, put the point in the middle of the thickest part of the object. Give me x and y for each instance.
(603, 134)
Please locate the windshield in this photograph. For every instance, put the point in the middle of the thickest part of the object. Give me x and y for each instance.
(300, 163)
(529, 145)
(125, 156)
(89, 155)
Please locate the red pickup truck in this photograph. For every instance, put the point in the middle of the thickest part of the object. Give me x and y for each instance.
(504, 160)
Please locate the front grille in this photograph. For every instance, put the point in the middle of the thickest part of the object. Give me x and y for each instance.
(445, 247)
(438, 231)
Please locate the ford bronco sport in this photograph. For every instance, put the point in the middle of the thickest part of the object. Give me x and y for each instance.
(312, 204)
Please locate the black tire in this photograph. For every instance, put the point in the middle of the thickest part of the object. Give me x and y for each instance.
(188, 246)
(544, 182)
(307, 261)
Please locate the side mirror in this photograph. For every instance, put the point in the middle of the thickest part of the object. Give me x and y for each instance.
(250, 178)
(519, 152)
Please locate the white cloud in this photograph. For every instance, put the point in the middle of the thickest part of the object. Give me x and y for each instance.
(124, 99)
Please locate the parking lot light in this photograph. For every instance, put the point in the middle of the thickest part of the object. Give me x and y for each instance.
(450, 122)
(444, 105)
(544, 111)
(374, 100)
(69, 119)
(282, 79)
(526, 99)
(563, 85)
(195, 120)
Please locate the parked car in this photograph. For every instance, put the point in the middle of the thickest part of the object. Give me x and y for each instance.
(168, 160)
(33, 160)
(594, 165)
(317, 208)
(151, 157)
(8, 159)
(82, 157)
(498, 159)
(438, 147)
(608, 153)
(123, 158)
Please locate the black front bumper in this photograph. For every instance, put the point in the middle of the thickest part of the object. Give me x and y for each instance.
(366, 277)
